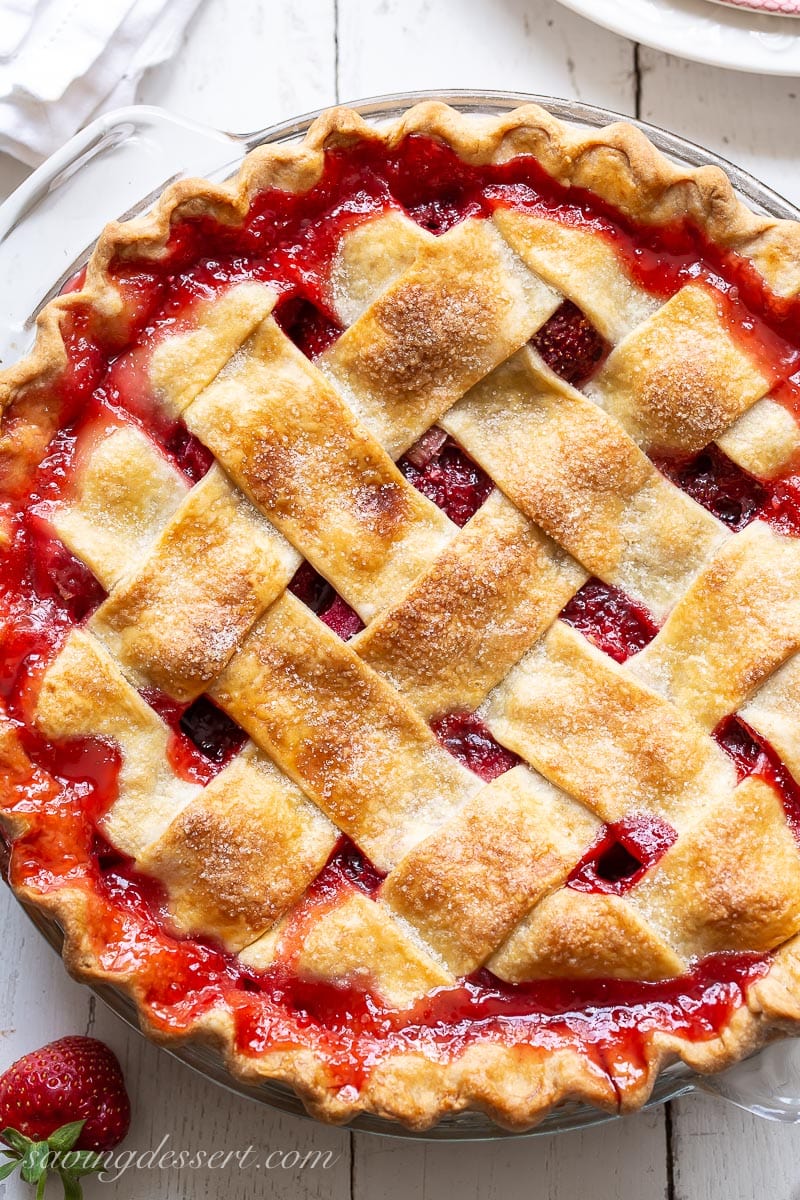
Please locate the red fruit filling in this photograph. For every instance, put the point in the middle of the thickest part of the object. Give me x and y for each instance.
(753, 755)
(311, 330)
(347, 866)
(468, 740)
(57, 574)
(622, 854)
(713, 480)
(289, 240)
(426, 447)
(188, 453)
(315, 591)
(449, 478)
(570, 344)
(738, 741)
(434, 186)
(733, 495)
(606, 616)
(204, 738)
(216, 736)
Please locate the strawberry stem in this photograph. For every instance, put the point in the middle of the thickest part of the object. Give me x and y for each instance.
(56, 1153)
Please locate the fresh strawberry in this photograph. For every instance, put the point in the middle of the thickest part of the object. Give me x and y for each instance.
(59, 1107)
(73, 1079)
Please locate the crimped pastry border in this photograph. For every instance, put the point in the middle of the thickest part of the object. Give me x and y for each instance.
(514, 1085)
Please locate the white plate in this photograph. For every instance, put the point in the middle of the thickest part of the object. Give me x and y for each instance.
(769, 8)
(709, 33)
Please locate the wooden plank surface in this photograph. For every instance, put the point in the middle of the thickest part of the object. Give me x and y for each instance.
(719, 1152)
(511, 45)
(751, 120)
(618, 1162)
(246, 64)
(39, 1002)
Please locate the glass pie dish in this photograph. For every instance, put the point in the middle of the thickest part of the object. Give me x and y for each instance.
(128, 158)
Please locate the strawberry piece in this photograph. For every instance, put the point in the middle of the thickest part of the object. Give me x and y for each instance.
(311, 330)
(426, 447)
(449, 478)
(469, 740)
(72, 1079)
(711, 478)
(315, 592)
(57, 573)
(612, 620)
(341, 618)
(570, 345)
(191, 457)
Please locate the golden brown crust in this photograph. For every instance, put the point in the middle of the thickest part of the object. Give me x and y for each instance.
(498, 856)
(240, 853)
(577, 935)
(84, 694)
(290, 442)
(515, 1085)
(573, 470)
(738, 621)
(369, 762)
(465, 305)
(732, 882)
(591, 728)
(618, 163)
(679, 379)
(176, 627)
(461, 627)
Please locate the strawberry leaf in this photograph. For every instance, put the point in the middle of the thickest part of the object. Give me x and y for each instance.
(8, 1168)
(84, 1162)
(65, 1137)
(16, 1140)
(34, 1164)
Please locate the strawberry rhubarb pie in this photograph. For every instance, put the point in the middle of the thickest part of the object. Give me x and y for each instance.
(400, 600)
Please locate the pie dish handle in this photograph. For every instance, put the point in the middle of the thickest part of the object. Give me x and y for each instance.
(767, 1085)
(112, 169)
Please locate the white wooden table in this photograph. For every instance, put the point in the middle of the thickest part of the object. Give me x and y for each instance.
(244, 65)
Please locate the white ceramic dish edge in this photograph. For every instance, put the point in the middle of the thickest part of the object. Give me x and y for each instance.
(719, 35)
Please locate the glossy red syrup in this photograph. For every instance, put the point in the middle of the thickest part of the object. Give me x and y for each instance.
(289, 241)
(315, 591)
(738, 740)
(311, 330)
(44, 590)
(733, 495)
(753, 755)
(450, 479)
(607, 1021)
(203, 738)
(468, 740)
(61, 791)
(347, 866)
(608, 617)
(622, 854)
(188, 453)
(122, 394)
(570, 345)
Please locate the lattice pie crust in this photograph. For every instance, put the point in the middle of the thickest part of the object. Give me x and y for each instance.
(437, 331)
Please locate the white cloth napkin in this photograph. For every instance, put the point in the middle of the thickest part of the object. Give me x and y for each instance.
(63, 62)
